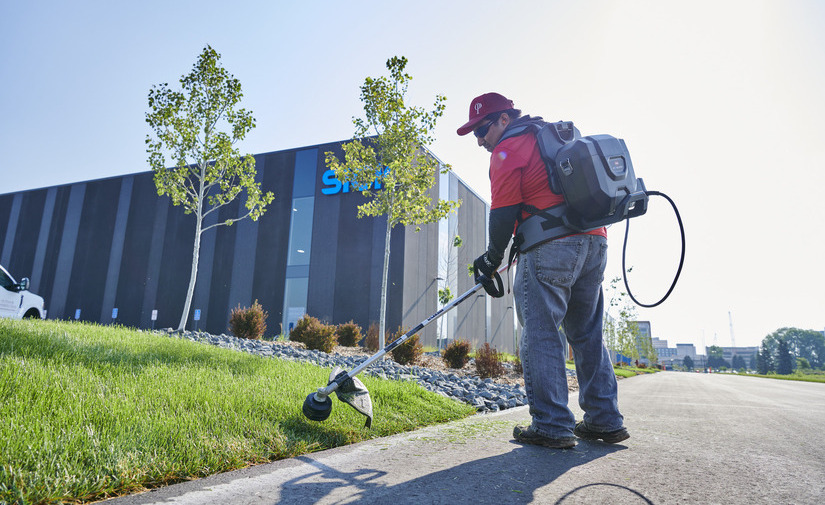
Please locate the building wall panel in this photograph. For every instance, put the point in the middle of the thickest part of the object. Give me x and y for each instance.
(42, 240)
(6, 202)
(137, 243)
(91, 258)
(53, 249)
(217, 317)
(174, 268)
(107, 314)
(354, 263)
(64, 270)
(21, 263)
(420, 284)
(273, 237)
(11, 228)
(471, 315)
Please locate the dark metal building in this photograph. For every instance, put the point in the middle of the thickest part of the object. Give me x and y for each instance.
(112, 250)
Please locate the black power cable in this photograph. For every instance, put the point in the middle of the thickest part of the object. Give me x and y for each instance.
(681, 259)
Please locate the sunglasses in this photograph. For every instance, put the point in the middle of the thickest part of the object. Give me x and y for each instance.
(481, 131)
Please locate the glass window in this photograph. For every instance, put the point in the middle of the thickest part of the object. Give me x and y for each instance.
(306, 166)
(300, 231)
(295, 302)
(5, 281)
(447, 261)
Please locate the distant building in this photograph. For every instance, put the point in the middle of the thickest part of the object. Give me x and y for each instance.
(644, 329)
(662, 350)
(675, 356)
(683, 350)
(747, 353)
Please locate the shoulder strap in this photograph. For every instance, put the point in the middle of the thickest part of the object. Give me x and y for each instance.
(523, 125)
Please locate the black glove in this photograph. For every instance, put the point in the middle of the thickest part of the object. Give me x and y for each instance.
(484, 271)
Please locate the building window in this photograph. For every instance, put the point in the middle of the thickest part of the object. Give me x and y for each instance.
(300, 231)
(295, 301)
(300, 238)
(447, 257)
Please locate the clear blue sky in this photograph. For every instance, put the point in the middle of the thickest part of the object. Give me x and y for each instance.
(720, 102)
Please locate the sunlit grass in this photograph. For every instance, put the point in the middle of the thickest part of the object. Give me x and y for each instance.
(93, 411)
(631, 371)
(797, 376)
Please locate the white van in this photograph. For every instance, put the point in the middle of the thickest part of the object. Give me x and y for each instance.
(16, 301)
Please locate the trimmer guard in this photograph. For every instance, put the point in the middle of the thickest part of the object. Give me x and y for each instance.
(353, 392)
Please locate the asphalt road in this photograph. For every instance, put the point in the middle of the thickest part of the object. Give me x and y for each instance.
(695, 438)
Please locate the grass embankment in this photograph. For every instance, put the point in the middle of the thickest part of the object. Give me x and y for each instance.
(630, 371)
(94, 411)
(797, 376)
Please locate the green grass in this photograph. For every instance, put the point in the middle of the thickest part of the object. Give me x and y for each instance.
(632, 371)
(797, 376)
(95, 411)
(623, 372)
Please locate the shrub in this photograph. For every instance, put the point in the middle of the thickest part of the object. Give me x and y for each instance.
(457, 354)
(349, 334)
(371, 341)
(322, 338)
(306, 325)
(517, 366)
(488, 362)
(248, 322)
(409, 352)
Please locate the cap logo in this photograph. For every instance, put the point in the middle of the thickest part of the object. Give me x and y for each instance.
(478, 107)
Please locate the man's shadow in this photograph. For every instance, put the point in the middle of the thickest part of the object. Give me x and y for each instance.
(507, 478)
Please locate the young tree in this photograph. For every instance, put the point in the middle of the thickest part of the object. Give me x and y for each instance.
(621, 332)
(764, 362)
(688, 363)
(447, 269)
(389, 147)
(784, 359)
(444, 292)
(629, 339)
(198, 127)
(648, 351)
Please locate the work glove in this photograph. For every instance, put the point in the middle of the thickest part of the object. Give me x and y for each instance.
(484, 271)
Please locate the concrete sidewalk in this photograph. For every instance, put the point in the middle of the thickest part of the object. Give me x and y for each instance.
(694, 439)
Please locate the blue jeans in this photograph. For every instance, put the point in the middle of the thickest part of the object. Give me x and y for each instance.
(559, 285)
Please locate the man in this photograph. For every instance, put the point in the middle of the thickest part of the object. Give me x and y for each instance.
(557, 285)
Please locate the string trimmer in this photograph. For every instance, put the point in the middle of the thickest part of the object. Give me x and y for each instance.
(350, 390)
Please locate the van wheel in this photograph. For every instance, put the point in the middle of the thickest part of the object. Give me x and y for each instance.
(32, 314)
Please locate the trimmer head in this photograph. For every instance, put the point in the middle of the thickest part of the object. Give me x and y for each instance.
(315, 409)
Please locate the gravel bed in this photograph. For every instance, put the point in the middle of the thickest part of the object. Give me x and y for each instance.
(484, 394)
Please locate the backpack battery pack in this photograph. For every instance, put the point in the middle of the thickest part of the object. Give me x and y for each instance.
(598, 183)
(594, 174)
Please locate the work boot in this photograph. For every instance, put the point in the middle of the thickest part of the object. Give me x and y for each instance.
(609, 437)
(526, 435)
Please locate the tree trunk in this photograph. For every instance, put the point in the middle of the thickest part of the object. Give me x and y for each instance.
(190, 291)
(382, 316)
(196, 249)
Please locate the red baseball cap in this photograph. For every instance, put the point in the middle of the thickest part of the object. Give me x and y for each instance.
(481, 107)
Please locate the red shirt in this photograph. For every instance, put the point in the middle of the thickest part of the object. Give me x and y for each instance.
(518, 175)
